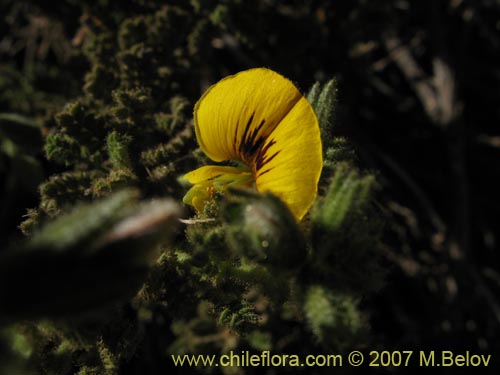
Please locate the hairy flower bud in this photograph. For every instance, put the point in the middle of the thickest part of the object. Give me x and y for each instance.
(262, 228)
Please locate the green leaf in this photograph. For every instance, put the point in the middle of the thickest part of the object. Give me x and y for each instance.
(324, 102)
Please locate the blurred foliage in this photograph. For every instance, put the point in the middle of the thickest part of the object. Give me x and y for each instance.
(108, 243)
(400, 250)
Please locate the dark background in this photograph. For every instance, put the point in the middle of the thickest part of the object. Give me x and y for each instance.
(418, 98)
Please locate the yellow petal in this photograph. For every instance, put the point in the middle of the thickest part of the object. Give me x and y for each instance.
(209, 172)
(235, 116)
(209, 179)
(197, 196)
(289, 163)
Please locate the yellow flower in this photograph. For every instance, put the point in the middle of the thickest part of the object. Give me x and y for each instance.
(259, 119)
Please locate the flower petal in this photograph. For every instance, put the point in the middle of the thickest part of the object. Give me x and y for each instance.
(289, 163)
(209, 172)
(234, 117)
(209, 179)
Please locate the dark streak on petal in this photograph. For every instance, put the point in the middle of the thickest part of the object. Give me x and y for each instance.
(214, 177)
(245, 132)
(261, 158)
(253, 148)
(267, 159)
(264, 172)
(249, 146)
(251, 141)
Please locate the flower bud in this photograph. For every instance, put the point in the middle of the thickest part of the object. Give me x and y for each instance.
(262, 228)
